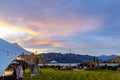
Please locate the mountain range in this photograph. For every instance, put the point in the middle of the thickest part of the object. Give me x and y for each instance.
(107, 57)
(74, 58)
(66, 58)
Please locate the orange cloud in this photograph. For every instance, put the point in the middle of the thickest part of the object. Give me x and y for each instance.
(65, 27)
(46, 41)
(27, 30)
(54, 26)
(43, 32)
(9, 26)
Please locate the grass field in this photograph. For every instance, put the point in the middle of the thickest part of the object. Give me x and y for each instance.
(50, 74)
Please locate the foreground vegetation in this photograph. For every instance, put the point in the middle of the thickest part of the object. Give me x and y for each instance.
(50, 74)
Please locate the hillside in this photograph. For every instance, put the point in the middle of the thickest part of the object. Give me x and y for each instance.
(66, 58)
(106, 58)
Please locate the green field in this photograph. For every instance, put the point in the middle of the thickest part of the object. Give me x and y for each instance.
(50, 74)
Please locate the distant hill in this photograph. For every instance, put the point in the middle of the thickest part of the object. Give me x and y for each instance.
(105, 57)
(66, 58)
(115, 60)
(8, 52)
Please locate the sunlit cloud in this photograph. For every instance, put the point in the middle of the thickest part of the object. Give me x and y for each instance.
(10, 27)
(65, 26)
(47, 31)
(28, 30)
(46, 42)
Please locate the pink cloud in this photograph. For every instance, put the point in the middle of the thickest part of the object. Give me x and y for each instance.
(43, 32)
(65, 26)
(45, 41)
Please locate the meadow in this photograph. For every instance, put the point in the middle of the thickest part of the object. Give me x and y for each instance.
(50, 74)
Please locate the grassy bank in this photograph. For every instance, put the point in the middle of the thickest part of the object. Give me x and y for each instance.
(50, 74)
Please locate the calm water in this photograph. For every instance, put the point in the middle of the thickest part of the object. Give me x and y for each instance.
(109, 64)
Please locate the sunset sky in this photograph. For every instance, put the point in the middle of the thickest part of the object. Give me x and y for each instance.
(84, 26)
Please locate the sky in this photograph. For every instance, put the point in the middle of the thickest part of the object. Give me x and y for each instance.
(85, 26)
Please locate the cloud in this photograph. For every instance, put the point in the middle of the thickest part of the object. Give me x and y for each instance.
(65, 26)
(4, 23)
(45, 42)
(48, 31)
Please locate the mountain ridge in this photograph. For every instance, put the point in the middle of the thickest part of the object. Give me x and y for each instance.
(107, 57)
(66, 58)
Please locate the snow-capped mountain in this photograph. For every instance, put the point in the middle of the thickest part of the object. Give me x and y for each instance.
(8, 52)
